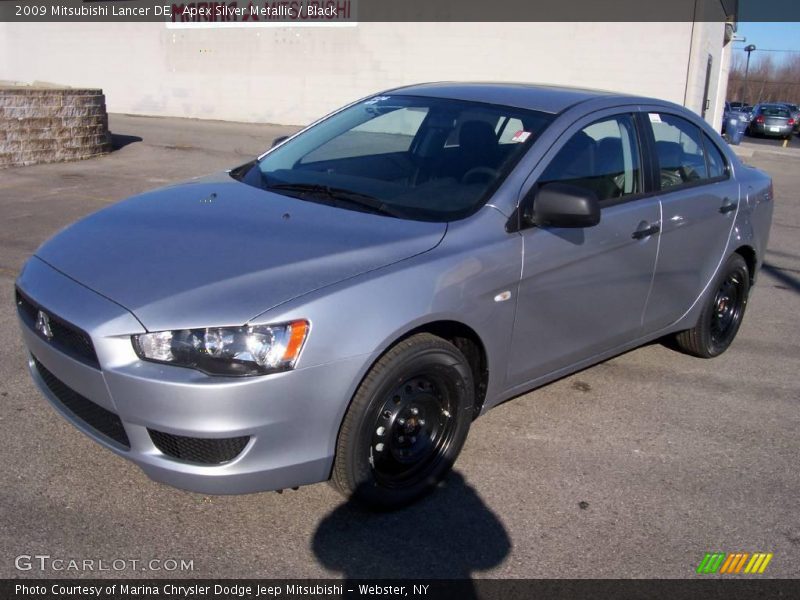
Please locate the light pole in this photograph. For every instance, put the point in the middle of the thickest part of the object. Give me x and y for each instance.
(747, 49)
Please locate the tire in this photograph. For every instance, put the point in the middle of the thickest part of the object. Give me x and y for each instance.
(388, 455)
(723, 313)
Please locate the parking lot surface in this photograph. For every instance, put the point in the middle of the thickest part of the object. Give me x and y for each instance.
(633, 468)
(770, 142)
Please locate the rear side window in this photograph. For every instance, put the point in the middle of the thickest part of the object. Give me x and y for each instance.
(716, 161)
(679, 148)
(603, 157)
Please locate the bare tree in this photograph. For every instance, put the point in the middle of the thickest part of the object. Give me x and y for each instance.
(767, 81)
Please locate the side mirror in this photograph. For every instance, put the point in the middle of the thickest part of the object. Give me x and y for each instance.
(563, 205)
(279, 140)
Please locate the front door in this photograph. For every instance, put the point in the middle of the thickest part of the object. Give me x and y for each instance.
(583, 291)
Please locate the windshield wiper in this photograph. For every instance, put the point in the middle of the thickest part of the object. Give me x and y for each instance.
(339, 194)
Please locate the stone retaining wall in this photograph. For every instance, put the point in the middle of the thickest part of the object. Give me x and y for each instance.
(42, 124)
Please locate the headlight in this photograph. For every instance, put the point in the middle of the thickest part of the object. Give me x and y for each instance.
(232, 351)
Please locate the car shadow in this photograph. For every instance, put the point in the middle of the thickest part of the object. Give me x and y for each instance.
(448, 535)
(788, 281)
(119, 140)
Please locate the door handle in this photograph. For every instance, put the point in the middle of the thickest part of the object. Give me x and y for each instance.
(645, 232)
(727, 206)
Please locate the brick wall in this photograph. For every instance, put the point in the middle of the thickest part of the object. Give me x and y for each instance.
(39, 125)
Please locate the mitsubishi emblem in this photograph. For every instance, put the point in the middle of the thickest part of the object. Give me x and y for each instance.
(43, 325)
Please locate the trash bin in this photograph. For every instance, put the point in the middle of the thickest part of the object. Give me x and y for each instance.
(735, 127)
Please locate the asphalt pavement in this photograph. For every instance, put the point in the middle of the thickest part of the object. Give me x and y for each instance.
(633, 468)
(771, 142)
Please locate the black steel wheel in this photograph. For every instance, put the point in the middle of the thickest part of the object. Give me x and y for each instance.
(406, 424)
(413, 428)
(722, 315)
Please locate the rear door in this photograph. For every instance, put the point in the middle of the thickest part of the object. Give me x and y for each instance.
(699, 202)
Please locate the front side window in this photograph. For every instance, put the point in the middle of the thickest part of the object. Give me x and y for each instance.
(422, 158)
(603, 158)
(679, 149)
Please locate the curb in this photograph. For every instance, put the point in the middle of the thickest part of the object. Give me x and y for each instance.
(750, 151)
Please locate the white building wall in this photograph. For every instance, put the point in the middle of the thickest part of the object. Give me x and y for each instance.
(708, 40)
(722, 86)
(291, 75)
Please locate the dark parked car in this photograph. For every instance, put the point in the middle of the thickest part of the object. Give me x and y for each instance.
(773, 120)
(794, 110)
(343, 306)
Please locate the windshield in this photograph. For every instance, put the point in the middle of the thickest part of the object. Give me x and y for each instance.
(429, 159)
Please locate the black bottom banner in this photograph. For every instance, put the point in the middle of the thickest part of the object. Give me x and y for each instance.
(464, 589)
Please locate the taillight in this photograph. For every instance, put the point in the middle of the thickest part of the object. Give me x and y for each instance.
(759, 119)
(790, 122)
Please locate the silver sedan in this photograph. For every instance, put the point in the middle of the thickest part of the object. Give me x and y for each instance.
(342, 307)
(773, 120)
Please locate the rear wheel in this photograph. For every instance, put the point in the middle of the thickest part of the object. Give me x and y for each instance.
(406, 424)
(723, 313)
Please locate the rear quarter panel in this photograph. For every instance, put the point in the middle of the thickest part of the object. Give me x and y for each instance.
(755, 210)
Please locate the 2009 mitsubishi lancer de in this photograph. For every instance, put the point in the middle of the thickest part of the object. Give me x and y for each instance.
(345, 305)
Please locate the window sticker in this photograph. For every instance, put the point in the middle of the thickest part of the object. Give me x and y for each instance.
(521, 136)
(654, 117)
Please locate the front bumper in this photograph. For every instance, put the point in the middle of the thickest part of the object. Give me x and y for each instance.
(288, 421)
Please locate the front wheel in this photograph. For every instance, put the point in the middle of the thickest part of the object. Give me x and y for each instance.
(406, 424)
(723, 313)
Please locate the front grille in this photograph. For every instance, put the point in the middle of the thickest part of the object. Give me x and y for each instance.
(66, 337)
(207, 451)
(98, 418)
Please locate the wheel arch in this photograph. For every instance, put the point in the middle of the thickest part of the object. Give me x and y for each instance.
(748, 253)
(458, 333)
(464, 337)
(467, 340)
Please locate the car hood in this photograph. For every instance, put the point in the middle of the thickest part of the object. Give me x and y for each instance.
(218, 252)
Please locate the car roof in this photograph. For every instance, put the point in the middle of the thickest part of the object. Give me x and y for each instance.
(545, 98)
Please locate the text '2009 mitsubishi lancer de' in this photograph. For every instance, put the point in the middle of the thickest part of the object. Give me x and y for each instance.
(344, 306)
